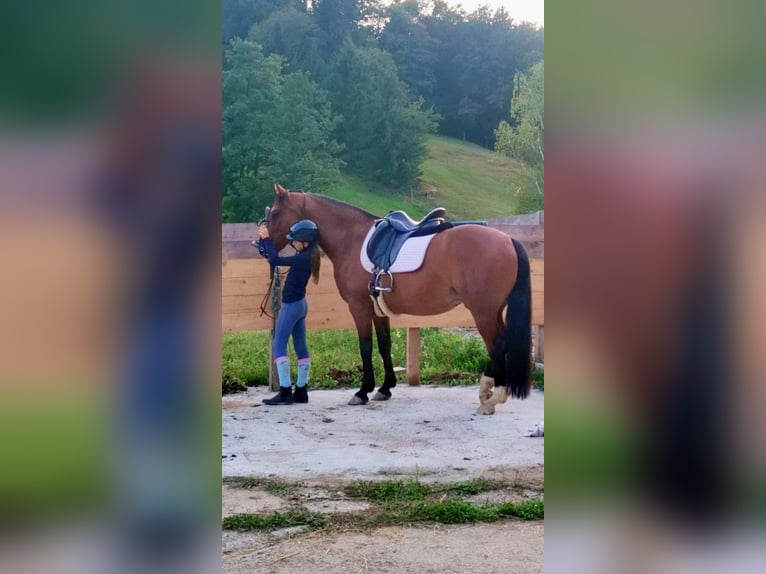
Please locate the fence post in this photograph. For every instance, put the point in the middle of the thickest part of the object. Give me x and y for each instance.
(413, 356)
(276, 304)
(540, 344)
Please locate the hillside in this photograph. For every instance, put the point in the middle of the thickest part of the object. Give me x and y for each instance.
(470, 181)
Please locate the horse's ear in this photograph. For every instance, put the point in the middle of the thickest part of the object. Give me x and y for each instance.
(279, 190)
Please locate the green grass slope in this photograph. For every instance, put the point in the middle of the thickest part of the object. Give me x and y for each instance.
(469, 180)
(376, 199)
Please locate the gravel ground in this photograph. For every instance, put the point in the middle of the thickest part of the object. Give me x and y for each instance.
(431, 431)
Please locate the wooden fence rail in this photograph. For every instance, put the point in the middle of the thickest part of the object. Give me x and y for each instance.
(245, 282)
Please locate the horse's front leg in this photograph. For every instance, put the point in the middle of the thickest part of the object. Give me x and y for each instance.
(383, 332)
(362, 313)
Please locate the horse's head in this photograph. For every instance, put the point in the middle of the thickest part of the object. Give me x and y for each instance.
(287, 209)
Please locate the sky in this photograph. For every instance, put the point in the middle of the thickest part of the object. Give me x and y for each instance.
(519, 10)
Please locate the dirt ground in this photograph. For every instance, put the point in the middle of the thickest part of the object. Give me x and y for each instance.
(503, 547)
(506, 546)
(424, 432)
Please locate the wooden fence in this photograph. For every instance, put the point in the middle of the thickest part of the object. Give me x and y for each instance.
(245, 282)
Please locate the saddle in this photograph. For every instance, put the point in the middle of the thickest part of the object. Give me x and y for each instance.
(387, 239)
(394, 229)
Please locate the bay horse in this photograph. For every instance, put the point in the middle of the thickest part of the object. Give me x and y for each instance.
(482, 268)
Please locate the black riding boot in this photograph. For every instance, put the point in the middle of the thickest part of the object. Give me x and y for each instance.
(301, 395)
(283, 397)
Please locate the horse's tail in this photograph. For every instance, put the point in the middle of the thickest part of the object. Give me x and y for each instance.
(518, 329)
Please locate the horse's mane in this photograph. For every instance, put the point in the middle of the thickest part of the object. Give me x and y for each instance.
(340, 203)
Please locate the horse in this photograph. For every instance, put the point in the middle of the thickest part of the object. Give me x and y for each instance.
(475, 265)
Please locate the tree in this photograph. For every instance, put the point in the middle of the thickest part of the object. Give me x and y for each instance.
(238, 16)
(415, 52)
(340, 19)
(295, 36)
(478, 56)
(525, 139)
(383, 131)
(277, 127)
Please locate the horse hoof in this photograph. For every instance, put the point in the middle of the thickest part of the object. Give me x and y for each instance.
(356, 401)
(485, 409)
(380, 397)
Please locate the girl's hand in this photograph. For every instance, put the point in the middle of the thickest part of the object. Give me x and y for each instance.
(263, 232)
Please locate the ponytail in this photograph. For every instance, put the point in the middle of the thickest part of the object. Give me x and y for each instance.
(316, 261)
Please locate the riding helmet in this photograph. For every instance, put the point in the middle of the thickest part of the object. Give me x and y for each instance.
(304, 230)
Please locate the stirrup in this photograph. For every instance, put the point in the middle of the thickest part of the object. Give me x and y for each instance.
(376, 287)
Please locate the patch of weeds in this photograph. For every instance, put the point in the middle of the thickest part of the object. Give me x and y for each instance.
(538, 378)
(231, 384)
(392, 513)
(528, 510)
(472, 487)
(280, 488)
(388, 490)
(395, 503)
(460, 512)
(274, 486)
(250, 522)
(452, 512)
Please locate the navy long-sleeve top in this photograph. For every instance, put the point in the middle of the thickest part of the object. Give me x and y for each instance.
(300, 270)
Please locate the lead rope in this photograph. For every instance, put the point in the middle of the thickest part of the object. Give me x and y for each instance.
(274, 293)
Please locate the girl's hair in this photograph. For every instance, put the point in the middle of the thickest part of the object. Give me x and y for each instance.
(316, 261)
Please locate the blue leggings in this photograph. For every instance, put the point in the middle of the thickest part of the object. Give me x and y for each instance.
(291, 321)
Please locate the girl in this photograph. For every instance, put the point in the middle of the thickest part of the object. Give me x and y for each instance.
(303, 238)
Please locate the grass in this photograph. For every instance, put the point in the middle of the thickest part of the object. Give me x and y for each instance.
(245, 358)
(252, 522)
(472, 182)
(472, 487)
(396, 503)
(402, 512)
(446, 357)
(232, 384)
(274, 486)
(377, 199)
(388, 490)
(413, 489)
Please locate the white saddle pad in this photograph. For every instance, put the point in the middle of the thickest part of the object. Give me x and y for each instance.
(410, 257)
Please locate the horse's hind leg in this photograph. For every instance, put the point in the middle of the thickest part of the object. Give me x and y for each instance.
(489, 329)
(383, 332)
